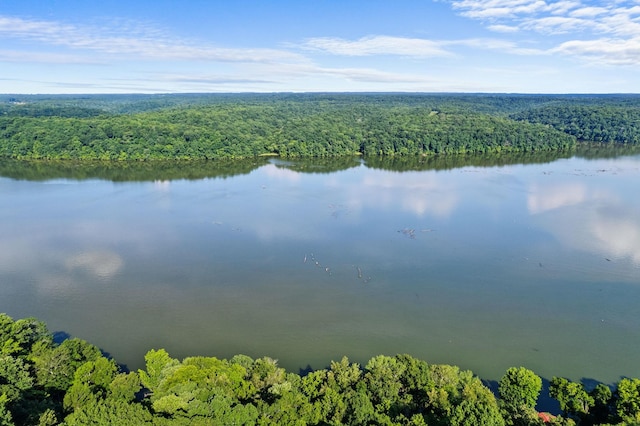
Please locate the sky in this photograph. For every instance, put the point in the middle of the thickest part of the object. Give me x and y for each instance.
(169, 46)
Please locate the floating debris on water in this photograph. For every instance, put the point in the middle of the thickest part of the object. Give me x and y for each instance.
(411, 233)
(360, 275)
(337, 210)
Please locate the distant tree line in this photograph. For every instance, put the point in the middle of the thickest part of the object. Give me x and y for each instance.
(72, 383)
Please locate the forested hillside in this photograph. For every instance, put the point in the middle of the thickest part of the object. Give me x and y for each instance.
(620, 124)
(190, 127)
(44, 382)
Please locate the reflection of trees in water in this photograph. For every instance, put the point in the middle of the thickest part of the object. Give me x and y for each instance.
(171, 170)
(128, 171)
(319, 165)
(594, 150)
(447, 162)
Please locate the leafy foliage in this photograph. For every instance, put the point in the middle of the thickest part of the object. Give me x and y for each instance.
(388, 390)
(519, 389)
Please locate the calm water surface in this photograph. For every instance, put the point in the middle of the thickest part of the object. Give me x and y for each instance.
(483, 267)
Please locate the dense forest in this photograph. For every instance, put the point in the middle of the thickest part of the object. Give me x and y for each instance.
(204, 127)
(589, 122)
(45, 381)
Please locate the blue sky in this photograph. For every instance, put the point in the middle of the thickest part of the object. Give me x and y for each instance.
(163, 46)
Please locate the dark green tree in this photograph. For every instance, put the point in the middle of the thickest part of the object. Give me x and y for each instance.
(574, 400)
(628, 400)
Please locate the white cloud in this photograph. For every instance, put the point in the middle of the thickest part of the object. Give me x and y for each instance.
(588, 12)
(496, 9)
(373, 75)
(412, 47)
(499, 28)
(552, 17)
(603, 51)
(622, 22)
(557, 24)
(377, 45)
(142, 44)
(607, 34)
(211, 79)
(505, 46)
(563, 7)
(47, 57)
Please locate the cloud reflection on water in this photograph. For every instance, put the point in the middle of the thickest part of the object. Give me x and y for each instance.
(588, 218)
(349, 194)
(418, 193)
(545, 198)
(618, 234)
(100, 263)
(281, 173)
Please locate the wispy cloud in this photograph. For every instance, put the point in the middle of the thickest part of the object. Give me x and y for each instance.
(505, 46)
(213, 79)
(497, 9)
(143, 56)
(607, 34)
(145, 43)
(47, 57)
(553, 17)
(588, 12)
(413, 47)
(377, 45)
(500, 28)
(604, 51)
(372, 75)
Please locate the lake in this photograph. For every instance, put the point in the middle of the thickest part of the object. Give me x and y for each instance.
(483, 263)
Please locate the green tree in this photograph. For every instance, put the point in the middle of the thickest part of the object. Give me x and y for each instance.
(156, 362)
(5, 414)
(109, 412)
(477, 406)
(519, 389)
(628, 400)
(90, 383)
(603, 408)
(55, 366)
(14, 377)
(574, 400)
(383, 378)
(125, 386)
